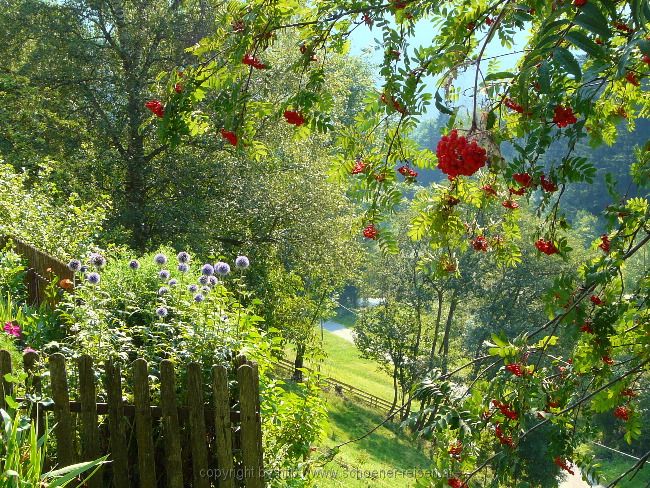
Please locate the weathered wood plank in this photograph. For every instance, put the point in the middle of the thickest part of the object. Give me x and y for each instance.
(89, 432)
(248, 392)
(143, 425)
(6, 388)
(115, 409)
(63, 429)
(198, 436)
(34, 388)
(171, 426)
(222, 427)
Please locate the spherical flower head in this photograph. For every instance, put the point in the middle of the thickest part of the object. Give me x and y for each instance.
(204, 279)
(222, 268)
(207, 270)
(83, 269)
(74, 265)
(192, 288)
(13, 329)
(198, 298)
(205, 290)
(242, 262)
(183, 257)
(173, 282)
(183, 267)
(93, 278)
(213, 281)
(163, 274)
(160, 259)
(134, 264)
(161, 312)
(97, 260)
(163, 290)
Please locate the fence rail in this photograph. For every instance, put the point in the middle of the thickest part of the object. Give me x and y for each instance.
(343, 389)
(173, 444)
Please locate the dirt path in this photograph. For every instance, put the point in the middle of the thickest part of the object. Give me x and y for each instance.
(339, 329)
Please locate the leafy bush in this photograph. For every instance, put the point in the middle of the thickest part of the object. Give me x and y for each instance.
(12, 274)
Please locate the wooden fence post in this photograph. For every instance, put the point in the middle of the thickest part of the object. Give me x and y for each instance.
(89, 432)
(143, 425)
(248, 392)
(118, 446)
(63, 428)
(222, 427)
(6, 388)
(171, 431)
(34, 388)
(198, 435)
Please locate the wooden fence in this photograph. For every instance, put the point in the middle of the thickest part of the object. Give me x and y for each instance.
(209, 439)
(41, 268)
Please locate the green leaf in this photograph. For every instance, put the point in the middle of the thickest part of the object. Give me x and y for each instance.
(544, 78)
(565, 58)
(579, 40)
(64, 475)
(499, 75)
(593, 20)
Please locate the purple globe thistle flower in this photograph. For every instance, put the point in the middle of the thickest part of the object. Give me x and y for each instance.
(183, 257)
(161, 312)
(192, 288)
(183, 267)
(83, 269)
(213, 281)
(97, 260)
(207, 270)
(205, 290)
(222, 268)
(198, 298)
(93, 278)
(173, 282)
(134, 264)
(242, 262)
(74, 265)
(163, 290)
(163, 274)
(160, 259)
(204, 279)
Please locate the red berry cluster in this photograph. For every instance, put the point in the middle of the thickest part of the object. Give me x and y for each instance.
(250, 60)
(596, 300)
(515, 368)
(294, 117)
(506, 410)
(519, 191)
(407, 172)
(605, 243)
(564, 116)
(512, 105)
(547, 185)
(505, 440)
(480, 243)
(623, 27)
(458, 156)
(230, 136)
(392, 102)
(562, 463)
(510, 204)
(178, 88)
(524, 179)
(629, 392)
(489, 21)
(646, 59)
(586, 327)
(370, 232)
(359, 167)
(579, 3)
(456, 448)
(368, 20)
(156, 107)
(622, 412)
(632, 79)
(546, 246)
(456, 483)
(607, 360)
(489, 191)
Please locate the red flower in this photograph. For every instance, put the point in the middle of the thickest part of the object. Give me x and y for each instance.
(622, 412)
(252, 61)
(12, 328)
(230, 136)
(294, 117)
(178, 88)
(579, 3)
(359, 167)
(562, 463)
(156, 107)
(511, 204)
(596, 300)
(480, 243)
(515, 368)
(547, 185)
(604, 243)
(564, 116)
(458, 156)
(370, 232)
(456, 483)
(521, 191)
(545, 246)
(511, 104)
(489, 190)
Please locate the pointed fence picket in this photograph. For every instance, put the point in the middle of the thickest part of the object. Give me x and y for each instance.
(194, 443)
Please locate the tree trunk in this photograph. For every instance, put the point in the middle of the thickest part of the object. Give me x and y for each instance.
(437, 328)
(299, 363)
(444, 348)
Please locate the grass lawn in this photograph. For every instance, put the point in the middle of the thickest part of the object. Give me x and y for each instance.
(387, 449)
